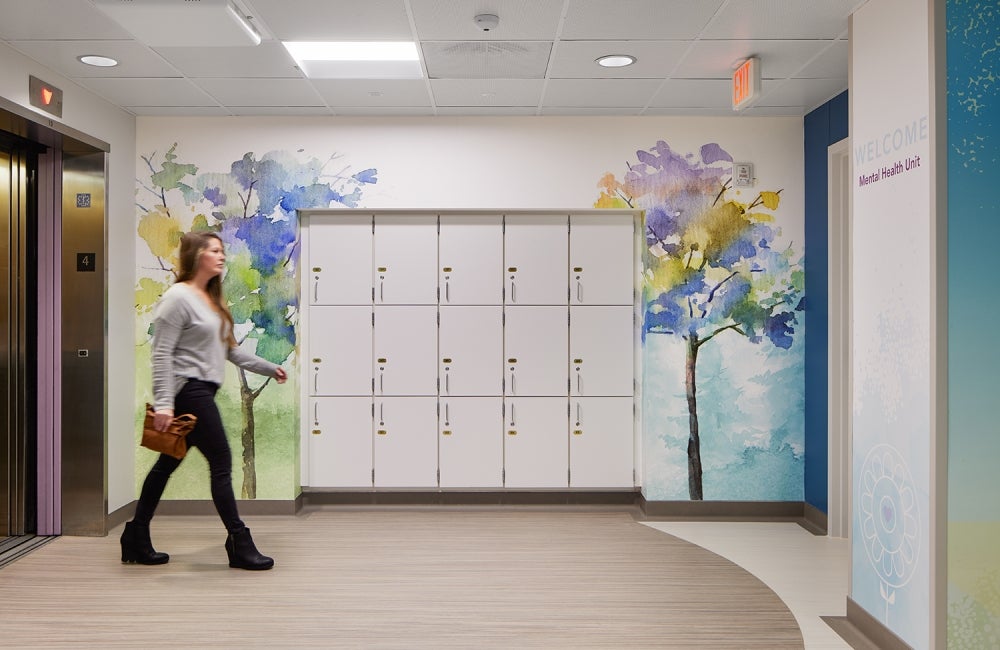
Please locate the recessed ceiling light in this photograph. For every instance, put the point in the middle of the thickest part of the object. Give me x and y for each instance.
(616, 60)
(356, 60)
(97, 60)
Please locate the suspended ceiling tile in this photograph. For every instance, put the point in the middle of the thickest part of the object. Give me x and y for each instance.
(832, 63)
(778, 59)
(149, 92)
(261, 92)
(486, 92)
(637, 19)
(772, 111)
(280, 110)
(602, 93)
(339, 20)
(56, 19)
(571, 110)
(453, 20)
(387, 111)
(578, 59)
(694, 93)
(134, 60)
(341, 93)
(807, 93)
(269, 59)
(181, 111)
(486, 59)
(777, 19)
(717, 111)
(500, 111)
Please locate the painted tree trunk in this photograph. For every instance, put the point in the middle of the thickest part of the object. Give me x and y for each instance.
(694, 440)
(247, 398)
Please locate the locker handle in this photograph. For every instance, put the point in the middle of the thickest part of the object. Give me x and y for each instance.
(316, 413)
(381, 290)
(381, 387)
(578, 413)
(446, 418)
(579, 291)
(316, 381)
(381, 417)
(447, 291)
(512, 415)
(447, 386)
(316, 290)
(513, 384)
(578, 390)
(513, 290)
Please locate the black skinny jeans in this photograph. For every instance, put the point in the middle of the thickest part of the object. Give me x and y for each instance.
(198, 398)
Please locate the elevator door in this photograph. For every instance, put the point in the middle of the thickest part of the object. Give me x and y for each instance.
(17, 324)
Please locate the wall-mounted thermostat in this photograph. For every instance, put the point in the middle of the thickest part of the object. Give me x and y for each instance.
(743, 175)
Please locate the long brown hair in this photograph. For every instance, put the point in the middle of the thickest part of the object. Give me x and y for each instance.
(193, 244)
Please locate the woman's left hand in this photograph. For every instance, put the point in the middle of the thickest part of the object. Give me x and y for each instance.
(280, 375)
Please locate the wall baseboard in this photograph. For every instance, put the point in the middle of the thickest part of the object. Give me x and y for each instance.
(794, 511)
(862, 630)
(724, 510)
(814, 519)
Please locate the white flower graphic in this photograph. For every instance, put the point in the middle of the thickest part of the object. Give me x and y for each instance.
(889, 520)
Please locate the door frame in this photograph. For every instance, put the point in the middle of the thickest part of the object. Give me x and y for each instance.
(839, 350)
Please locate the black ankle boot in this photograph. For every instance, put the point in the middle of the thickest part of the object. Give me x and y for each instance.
(243, 554)
(136, 546)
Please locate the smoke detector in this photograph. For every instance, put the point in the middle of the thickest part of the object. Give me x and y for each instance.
(487, 22)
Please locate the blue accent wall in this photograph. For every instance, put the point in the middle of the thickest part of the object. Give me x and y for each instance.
(824, 126)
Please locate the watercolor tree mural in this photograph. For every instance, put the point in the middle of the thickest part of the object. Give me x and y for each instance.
(253, 208)
(709, 268)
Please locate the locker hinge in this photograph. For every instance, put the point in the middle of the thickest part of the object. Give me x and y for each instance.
(503, 313)
(439, 476)
(439, 312)
(439, 300)
(569, 480)
(503, 477)
(373, 476)
(373, 392)
(373, 312)
(373, 300)
(438, 384)
(373, 232)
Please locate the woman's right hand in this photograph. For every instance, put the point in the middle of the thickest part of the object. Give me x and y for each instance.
(162, 419)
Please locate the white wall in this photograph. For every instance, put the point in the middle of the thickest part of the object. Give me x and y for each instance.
(473, 162)
(892, 134)
(89, 114)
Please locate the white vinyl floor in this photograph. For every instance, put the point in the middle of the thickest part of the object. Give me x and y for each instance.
(808, 572)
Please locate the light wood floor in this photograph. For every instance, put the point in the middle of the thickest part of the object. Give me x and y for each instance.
(396, 578)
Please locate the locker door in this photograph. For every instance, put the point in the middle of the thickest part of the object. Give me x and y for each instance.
(535, 259)
(340, 351)
(471, 260)
(471, 442)
(536, 450)
(536, 343)
(340, 260)
(406, 251)
(601, 451)
(471, 351)
(600, 351)
(602, 267)
(405, 347)
(340, 444)
(405, 442)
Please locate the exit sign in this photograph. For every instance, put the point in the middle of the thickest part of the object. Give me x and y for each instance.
(746, 83)
(45, 96)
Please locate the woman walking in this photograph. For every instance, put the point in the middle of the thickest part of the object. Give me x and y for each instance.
(192, 339)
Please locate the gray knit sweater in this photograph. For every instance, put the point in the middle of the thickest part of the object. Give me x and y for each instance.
(187, 345)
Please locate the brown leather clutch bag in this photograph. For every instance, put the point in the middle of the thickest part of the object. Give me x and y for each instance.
(171, 441)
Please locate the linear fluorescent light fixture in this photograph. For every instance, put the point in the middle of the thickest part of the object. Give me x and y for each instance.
(356, 60)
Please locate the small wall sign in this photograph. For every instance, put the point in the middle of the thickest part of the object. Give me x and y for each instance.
(86, 262)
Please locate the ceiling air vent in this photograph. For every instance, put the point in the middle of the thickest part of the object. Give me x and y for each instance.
(182, 23)
(486, 59)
